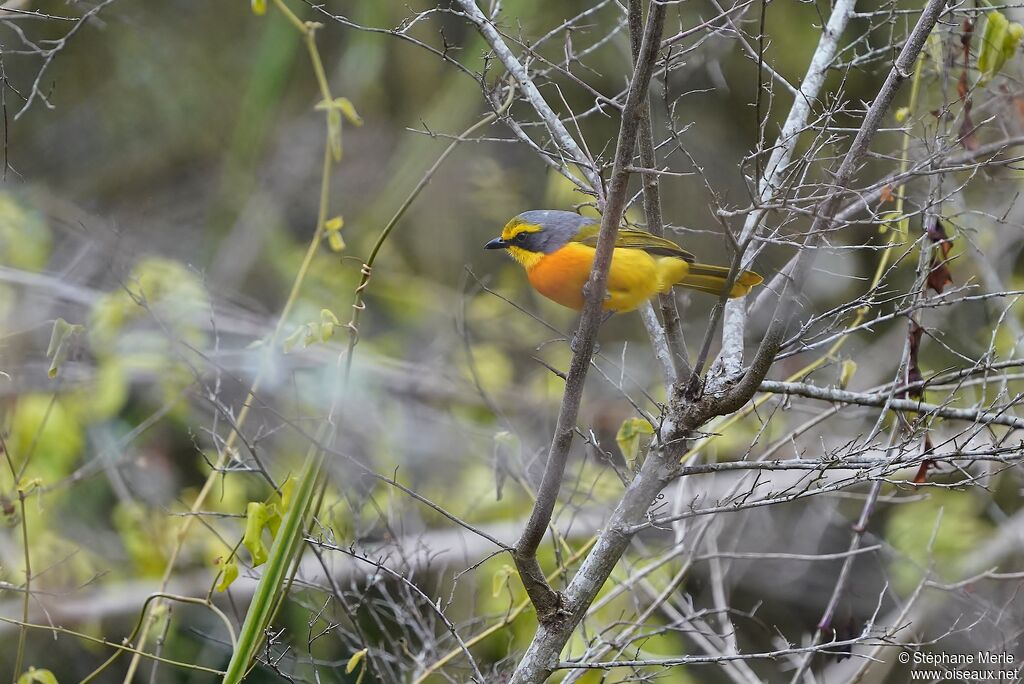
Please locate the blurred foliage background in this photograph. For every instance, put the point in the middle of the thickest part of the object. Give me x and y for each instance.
(165, 201)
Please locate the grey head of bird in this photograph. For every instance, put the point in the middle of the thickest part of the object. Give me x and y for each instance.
(542, 231)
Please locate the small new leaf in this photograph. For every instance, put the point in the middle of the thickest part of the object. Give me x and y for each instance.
(334, 133)
(257, 515)
(34, 676)
(259, 7)
(633, 437)
(328, 321)
(349, 110)
(228, 574)
(336, 242)
(333, 229)
(891, 220)
(287, 490)
(999, 43)
(354, 661)
(846, 373)
(500, 579)
(26, 486)
(61, 340)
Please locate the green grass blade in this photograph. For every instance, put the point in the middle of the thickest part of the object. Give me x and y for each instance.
(286, 548)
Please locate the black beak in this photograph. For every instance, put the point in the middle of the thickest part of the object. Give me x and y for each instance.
(496, 243)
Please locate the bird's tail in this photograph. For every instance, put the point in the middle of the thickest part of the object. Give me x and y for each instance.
(704, 277)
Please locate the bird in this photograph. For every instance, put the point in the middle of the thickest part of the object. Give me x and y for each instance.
(557, 250)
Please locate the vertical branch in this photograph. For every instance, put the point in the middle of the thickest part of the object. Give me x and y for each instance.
(652, 204)
(547, 602)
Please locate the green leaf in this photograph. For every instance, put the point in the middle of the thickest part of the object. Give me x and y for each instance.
(327, 323)
(49, 432)
(288, 545)
(846, 372)
(273, 519)
(336, 242)
(334, 133)
(287, 491)
(26, 485)
(228, 574)
(61, 340)
(500, 579)
(349, 110)
(354, 661)
(34, 676)
(257, 515)
(888, 219)
(633, 437)
(999, 42)
(259, 7)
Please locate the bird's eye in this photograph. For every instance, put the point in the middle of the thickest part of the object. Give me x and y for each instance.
(520, 238)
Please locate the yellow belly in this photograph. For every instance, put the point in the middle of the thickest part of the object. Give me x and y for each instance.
(634, 276)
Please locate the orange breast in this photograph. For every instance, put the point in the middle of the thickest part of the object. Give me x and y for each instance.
(560, 276)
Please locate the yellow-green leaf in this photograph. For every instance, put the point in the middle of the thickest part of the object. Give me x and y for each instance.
(846, 372)
(273, 519)
(287, 490)
(228, 574)
(334, 133)
(334, 224)
(259, 7)
(888, 219)
(500, 579)
(49, 432)
(999, 43)
(633, 437)
(61, 339)
(256, 517)
(27, 485)
(336, 242)
(354, 661)
(349, 110)
(328, 321)
(34, 676)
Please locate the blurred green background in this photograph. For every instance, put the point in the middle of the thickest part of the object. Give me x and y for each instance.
(165, 202)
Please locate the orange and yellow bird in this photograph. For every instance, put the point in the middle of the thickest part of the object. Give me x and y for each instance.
(557, 250)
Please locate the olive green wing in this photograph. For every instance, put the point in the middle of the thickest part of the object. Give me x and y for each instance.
(635, 239)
